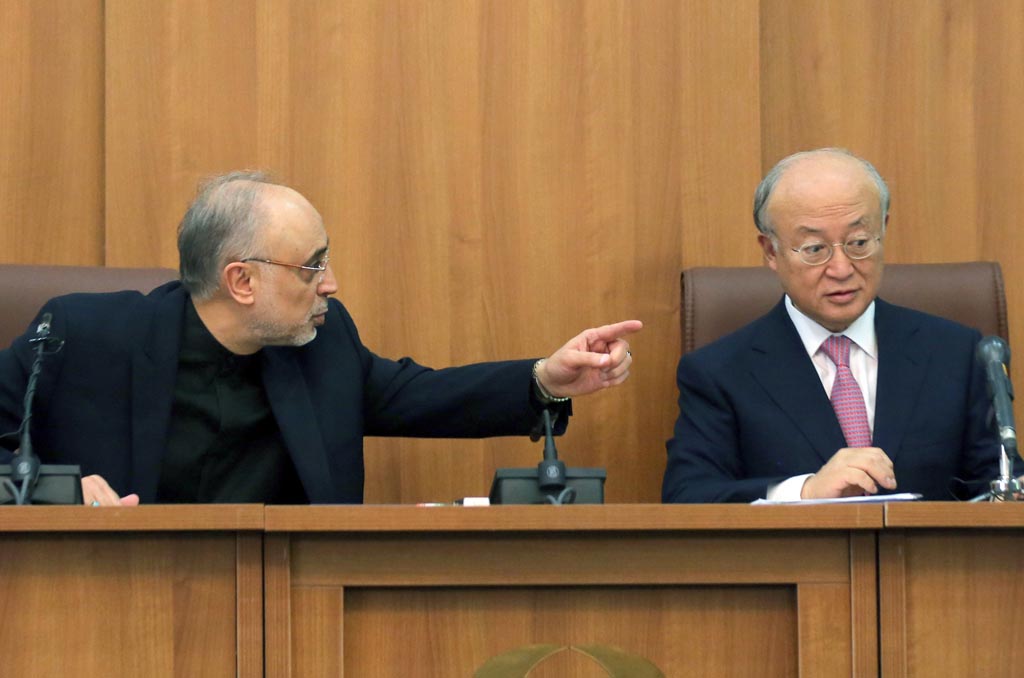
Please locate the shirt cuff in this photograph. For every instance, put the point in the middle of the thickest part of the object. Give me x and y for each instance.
(788, 490)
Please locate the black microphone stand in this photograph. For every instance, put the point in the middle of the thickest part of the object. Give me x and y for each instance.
(551, 482)
(18, 481)
(551, 471)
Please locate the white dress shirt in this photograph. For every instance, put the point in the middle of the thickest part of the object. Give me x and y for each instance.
(863, 365)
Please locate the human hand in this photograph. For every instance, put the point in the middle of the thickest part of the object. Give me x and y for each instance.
(97, 492)
(592, 360)
(851, 472)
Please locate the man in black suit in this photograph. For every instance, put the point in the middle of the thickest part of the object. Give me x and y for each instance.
(246, 382)
(834, 392)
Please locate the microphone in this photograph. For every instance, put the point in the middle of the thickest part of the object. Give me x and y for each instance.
(43, 328)
(550, 471)
(993, 355)
(18, 481)
(25, 468)
(551, 482)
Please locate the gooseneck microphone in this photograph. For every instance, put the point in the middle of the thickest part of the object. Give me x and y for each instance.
(551, 481)
(18, 482)
(993, 355)
(551, 471)
(25, 469)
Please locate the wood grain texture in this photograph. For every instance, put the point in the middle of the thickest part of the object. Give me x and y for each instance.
(566, 559)
(824, 630)
(961, 602)
(954, 514)
(51, 132)
(249, 605)
(277, 587)
(118, 604)
(892, 605)
(320, 632)
(426, 603)
(451, 632)
(604, 518)
(152, 518)
(864, 603)
(181, 102)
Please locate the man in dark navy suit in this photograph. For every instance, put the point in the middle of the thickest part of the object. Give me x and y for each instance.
(245, 382)
(834, 392)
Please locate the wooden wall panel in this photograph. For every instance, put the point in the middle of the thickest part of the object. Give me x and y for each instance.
(999, 100)
(902, 99)
(682, 630)
(184, 624)
(181, 98)
(51, 132)
(932, 572)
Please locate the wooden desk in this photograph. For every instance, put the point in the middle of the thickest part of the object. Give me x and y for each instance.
(144, 591)
(385, 591)
(951, 589)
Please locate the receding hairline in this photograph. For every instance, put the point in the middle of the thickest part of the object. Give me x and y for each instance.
(832, 160)
(781, 172)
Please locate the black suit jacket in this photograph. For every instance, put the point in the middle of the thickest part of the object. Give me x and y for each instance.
(752, 411)
(105, 400)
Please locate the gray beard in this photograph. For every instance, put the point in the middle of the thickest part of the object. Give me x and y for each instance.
(270, 333)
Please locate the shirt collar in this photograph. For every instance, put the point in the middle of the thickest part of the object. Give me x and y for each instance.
(861, 331)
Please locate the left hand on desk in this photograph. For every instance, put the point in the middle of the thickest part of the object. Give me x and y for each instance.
(97, 492)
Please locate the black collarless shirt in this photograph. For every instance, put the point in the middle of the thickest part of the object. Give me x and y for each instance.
(224, 445)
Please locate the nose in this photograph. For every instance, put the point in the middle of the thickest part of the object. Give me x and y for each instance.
(328, 284)
(840, 265)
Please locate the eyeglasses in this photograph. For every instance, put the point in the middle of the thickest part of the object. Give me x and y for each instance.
(318, 267)
(857, 247)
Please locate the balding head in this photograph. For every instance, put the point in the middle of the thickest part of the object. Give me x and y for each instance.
(823, 159)
(221, 225)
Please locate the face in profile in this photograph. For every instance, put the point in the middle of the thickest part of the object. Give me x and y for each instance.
(820, 203)
(292, 301)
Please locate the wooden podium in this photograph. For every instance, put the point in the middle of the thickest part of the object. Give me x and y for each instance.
(145, 591)
(952, 590)
(425, 592)
(386, 591)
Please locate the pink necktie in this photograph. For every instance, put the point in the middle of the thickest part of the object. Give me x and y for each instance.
(847, 399)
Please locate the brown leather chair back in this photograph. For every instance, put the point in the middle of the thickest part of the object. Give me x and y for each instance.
(717, 301)
(24, 289)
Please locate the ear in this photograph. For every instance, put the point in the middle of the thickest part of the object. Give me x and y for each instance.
(239, 283)
(768, 249)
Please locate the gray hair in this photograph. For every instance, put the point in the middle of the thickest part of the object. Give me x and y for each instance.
(767, 185)
(220, 226)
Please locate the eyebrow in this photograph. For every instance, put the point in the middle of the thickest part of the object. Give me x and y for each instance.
(316, 256)
(862, 222)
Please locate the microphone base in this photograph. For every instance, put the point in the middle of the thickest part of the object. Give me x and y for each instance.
(520, 486)
(56, 484)
(1005, 489)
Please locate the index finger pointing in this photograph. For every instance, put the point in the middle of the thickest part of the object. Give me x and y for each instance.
(612, 332)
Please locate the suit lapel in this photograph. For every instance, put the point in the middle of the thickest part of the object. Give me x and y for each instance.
(154, 369)
(293, 409)
(782, 367)
(901, 371)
